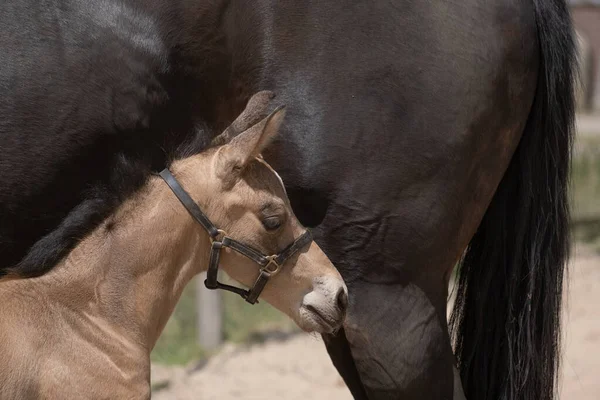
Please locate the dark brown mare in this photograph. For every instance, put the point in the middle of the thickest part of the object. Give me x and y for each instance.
(416, 130)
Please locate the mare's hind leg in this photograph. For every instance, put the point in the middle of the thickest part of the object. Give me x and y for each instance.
(459, 393)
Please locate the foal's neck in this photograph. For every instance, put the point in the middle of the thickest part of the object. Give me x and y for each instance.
(131, 270)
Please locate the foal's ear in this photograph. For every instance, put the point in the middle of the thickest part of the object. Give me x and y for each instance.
(256, 109)
(253, 141)
(249, 144)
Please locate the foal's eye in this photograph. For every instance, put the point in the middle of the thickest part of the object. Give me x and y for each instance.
(272, 223)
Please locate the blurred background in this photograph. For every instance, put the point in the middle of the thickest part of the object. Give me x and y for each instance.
(216, 346)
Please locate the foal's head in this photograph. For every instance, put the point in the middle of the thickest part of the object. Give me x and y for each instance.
(244, 197)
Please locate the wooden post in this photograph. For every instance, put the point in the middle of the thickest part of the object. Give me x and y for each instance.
(209, 304)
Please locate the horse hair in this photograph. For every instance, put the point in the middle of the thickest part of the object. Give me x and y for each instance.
(128, 174)
(511, 276)
(116, 145)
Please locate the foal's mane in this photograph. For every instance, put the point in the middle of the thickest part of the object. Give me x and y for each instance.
(128, 175)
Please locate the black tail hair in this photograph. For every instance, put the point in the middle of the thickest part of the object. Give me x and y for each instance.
(506, 321)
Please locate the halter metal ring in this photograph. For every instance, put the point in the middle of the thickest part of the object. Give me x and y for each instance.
(220, 233)
(272, 266)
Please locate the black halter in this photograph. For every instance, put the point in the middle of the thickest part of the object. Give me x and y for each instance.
(269, 265)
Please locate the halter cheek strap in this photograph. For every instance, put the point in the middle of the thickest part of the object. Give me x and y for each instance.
(269, 265)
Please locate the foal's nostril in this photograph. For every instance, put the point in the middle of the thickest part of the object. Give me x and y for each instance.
(342, 300)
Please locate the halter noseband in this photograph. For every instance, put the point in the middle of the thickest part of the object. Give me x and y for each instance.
(269, 265)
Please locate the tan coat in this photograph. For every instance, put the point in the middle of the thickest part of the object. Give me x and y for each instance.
(85, 330)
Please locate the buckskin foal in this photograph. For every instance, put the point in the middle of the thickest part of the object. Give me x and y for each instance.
(86, 328)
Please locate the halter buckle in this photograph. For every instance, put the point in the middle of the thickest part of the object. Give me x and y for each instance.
(272, 267)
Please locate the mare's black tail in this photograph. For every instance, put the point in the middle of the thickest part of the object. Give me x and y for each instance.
(506, 322)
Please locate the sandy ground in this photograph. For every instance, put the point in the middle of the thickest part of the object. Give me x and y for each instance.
(297, 367)
(581, 358)
(291, 368)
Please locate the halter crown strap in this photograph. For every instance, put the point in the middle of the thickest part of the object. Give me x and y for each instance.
(189, 203)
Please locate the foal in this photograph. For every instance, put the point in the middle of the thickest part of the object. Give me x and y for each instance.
(86, 328)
